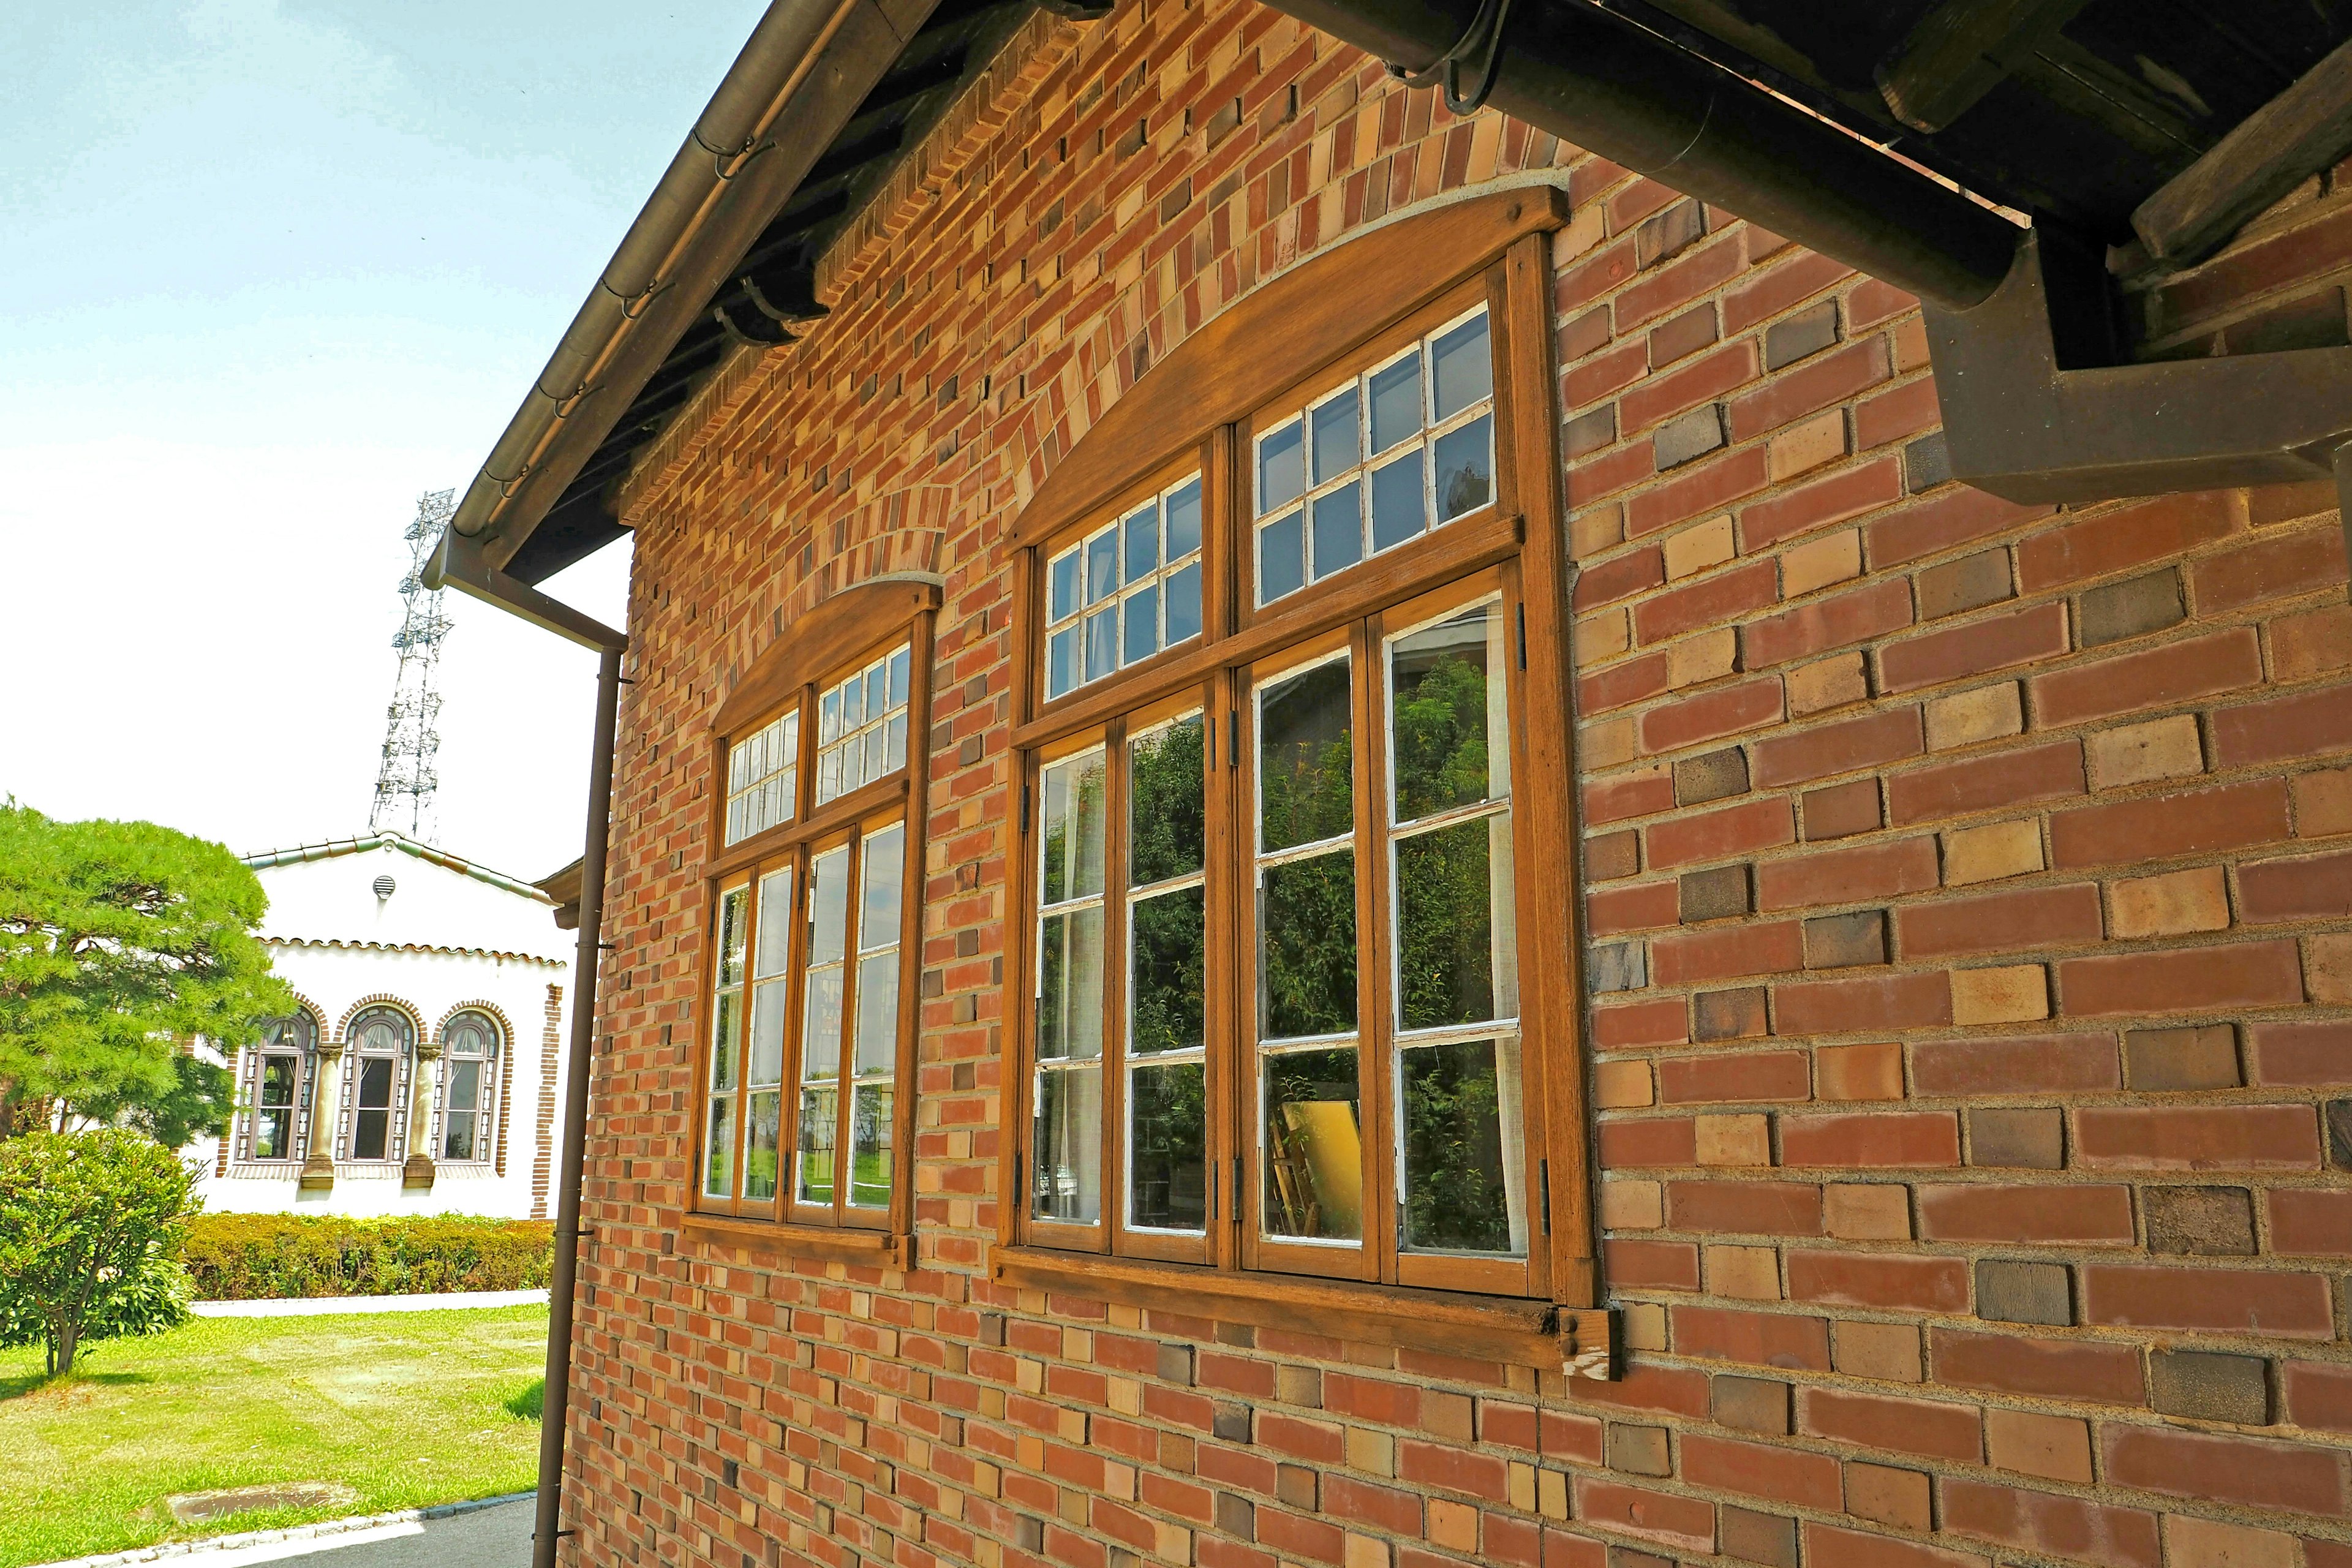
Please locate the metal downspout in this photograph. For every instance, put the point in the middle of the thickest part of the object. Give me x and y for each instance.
(555, 1408)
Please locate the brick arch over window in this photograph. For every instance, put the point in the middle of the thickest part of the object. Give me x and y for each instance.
(407, 1009)
(490, 1010)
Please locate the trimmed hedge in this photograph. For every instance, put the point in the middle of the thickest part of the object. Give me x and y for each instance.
(268, 1257)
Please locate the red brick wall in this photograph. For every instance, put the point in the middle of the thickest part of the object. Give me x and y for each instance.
(1967, 944)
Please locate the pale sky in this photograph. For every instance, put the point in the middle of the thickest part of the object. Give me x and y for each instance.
(267, 271)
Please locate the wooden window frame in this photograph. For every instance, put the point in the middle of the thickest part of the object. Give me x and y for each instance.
(256, 1067)
(404, 1075)
(487, 1111)
(1272, 353)
(835, 638)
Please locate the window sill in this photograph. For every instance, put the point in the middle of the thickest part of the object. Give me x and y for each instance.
(880, 1249)
(1577, 1342)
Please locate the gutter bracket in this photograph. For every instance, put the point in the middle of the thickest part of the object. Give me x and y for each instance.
(1481, 41)
(458, 562)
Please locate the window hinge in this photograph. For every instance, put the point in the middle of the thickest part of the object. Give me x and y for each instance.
(1232, 737)
(1543, 1187)
(1523, 637)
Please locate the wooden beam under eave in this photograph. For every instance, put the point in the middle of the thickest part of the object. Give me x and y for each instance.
(1962, 50)
(2285, 141)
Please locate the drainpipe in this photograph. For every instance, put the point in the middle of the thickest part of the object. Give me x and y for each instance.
(458, 564)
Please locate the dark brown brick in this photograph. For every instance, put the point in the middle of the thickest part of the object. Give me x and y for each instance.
(1752, 1537)
(1968, 583)
(1716, 894)
(1589, 431)
(2158, 1060)
(2013, 1292)
(2130, 609)
(1639, 1450)
(1728, 1015)
(1926, 463)
(1690, 436)
(1749, 1403)
(2200, 1222)
(2208, 1387)
(2027, 1139)
(1668, 234)
(1839, 942)
(1715, 775)
(1801, 335)
(1613, 856)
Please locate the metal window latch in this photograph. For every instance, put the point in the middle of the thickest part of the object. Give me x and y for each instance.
(1482, 42)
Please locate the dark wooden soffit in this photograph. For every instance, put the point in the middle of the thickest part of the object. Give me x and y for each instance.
(827, 635)
(1308, 316)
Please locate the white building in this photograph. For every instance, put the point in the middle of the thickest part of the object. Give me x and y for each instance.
(422, 1072)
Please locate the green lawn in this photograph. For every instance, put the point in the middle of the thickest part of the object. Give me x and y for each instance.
(406, 1408)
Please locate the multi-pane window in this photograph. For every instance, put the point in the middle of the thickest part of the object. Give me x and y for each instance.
(762, 776)
(469, 1063)
(378, 1045)
(282, 1074)
(861, 726)
(1400, 447)
(1125, 592)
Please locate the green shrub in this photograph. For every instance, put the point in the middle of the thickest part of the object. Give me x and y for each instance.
(267, 1257)
(91, 1226)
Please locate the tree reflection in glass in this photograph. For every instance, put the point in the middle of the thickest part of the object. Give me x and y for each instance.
(1067, 1165)
(1167, 978)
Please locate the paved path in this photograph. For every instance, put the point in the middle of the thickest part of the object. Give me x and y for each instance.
(486, 1538)
(329, 1306)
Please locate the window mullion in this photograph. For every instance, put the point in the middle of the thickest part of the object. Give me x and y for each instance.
(845, 1149)
(1375, 949)
(1118, 960)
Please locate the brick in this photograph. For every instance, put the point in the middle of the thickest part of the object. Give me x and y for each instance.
(2203, 1221)
(2317, 886)
(2141, 754)
(1711, 716)
(1651, 1265)
(1695, 549)
(1946, 522)
(1682, 1522)
(2322, 801)
(2318, 1394)
(1872, 1072)
(1752, 1537)
(1721, 835)
(1681, 336)
(1906, 411)
(1800, 336)
(2171, 905)
(2303, 562)
(2017, 1065)
(1756, 1208)
(1783, 1339)
(1872, 1004)
(1743, 1273)
(1972, 718)
(1697, 661)
(1629, 795)
(1617, 966)
(2207, 1385)
(2318, 642)
(1633, 1205)
(1720, 1080)
(1974, 648)
(2198, 1138)
(1968, 583)
(2045, 1524)
(2268, 504)
(1612, 911)
(2195, 979)
(2056, 1447)
(1621, 578)
(2172, 1060)
(1888, 1352)
(2049, 772)
(2129, 609)
(1716, 775)
(1773, 1471)
(1659, 1023)
(1620, 1086)
(1836, 498)
(1843, 810)
(1853, 1140)
(1734, 1014)
(1633, 1146)
(2199, 822)
(1886, 1495)
(1611, 856)
(1926, 462)
(1721, 893)
(2063, 916)
(1703, 487)
(2117, 540)
(2181, 671)
(2308, 1223)
(2244, 1470)
(1992, 852)
(1638, 1450)
(1827, 379)
(2214, 1301)
(1806, 446)
(1819, 625)
(2029, 1137)
(1702, 380)
(2211, 1544)
(1820, 564)
(2328, 968)
(2305, 725)
(1866, 1211)
(1892, 1422)
(1705, 601)
(2013, 1292)
(2318, 1053)
(1687, 958)
(1735, 1140)
(1838, 681)
(1686, 437)
(1870, 1280)
(2042, 1215)
(1839, 942)
(1749, 1403)
(1767, 292)
(1862, 871)
(1589, 432)
(2055, 1369)
(1846, 745)
(2014, 994)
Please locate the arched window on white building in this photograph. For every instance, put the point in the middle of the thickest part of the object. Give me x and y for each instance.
(280, 1088)
(469, 1076)
(381, 1043)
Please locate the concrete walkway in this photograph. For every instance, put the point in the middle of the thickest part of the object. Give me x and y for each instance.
(494, 1533)
(329, 1306)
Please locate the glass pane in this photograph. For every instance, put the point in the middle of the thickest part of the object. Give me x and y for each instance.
(820, 1109)
(1066, 1163)
(828, 718)
(766, 1065)
(1070, 985)
(1457, 943)
(1184, 520)
(726, 1039)
(1400, 509)
(877, 1012)
(375, 1083)
(270, 1142)
(368, 1136)
(1102, 642)
(1281, 558)
(719, 1148)
(1062, 593)
(1464, 1156)
(1306, 947)
(1143, 531)
(1466, 469)
(465, 1086)
(1102, 565)
(1338, 528)
(828, 906)
(1462, 367)
(1167, 813)
(1313, 1145)
(1281, 468)
(762, 1130)
(731, 908)
(821, 1038)
(1396, 402)
(1337, 442)
(1448, 717)
(1183, 605)
(277, 1081)
(1306, 757)
(458, 1135)
(1167, 1133)
(1139, 620)
(1074, 820)
(775, 923)
(902, 664)
(870, 1144)
(1169, 980)
(894, 750)
(1061, 662)
(885, 876)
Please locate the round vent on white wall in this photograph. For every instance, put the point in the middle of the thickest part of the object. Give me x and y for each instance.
(384, 886)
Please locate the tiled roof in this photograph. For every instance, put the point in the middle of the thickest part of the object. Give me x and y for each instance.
(335, 846)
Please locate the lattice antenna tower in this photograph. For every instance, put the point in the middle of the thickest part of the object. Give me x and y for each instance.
(407, 780)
